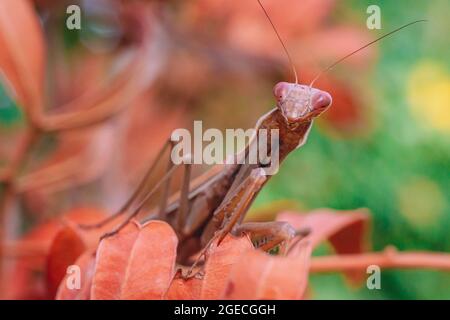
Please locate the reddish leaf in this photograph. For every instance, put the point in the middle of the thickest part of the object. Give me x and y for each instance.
(181, 289)
(136, 263)
(103, 102)
(86, 216)
(259, 275)
(332, 43)
(240, 22)
(235, 270)
(22, 53)
(350, 114)
(67, 246)
(346, 230)
(86, 263)
(218, 264)
(81, 157)
(26, 278)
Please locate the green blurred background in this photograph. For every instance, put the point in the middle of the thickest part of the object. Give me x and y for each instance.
(401, 170)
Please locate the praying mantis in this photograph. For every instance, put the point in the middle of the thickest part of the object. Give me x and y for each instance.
(213, 205)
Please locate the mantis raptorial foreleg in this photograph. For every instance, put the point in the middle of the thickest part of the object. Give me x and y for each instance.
(234, 207)
(264, 235)
(243, 197)
(268, 235)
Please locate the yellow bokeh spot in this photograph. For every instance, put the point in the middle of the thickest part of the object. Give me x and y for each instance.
(421, 202)
(428, 92)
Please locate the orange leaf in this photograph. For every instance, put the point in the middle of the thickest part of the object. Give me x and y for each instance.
(259, 275)
(218, 264)
(26, 266)
(136, 263)
(181, 289)
(346, 230)
(86, 263)
(22, 53)
(67, 246)
(21, 280)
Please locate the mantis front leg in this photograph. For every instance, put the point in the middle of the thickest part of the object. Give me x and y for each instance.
(234, 206)
(230, 212)
(268, 235)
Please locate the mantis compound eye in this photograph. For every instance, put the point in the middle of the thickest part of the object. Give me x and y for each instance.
(280, 90)
(320, 100)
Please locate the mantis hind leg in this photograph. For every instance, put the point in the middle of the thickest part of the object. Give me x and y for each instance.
(143, 202)
(138, 193)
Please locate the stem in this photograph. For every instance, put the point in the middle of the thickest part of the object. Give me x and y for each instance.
(390, 258)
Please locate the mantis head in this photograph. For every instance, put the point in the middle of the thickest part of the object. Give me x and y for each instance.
(299, 103)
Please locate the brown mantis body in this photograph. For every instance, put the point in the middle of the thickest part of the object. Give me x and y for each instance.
(221, 202)
(215, 204)
(218, 204)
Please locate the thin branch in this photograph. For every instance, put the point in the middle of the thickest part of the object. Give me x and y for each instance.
(390, 258)
(99, 106)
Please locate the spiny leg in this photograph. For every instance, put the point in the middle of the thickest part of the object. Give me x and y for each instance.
(245, 169)
(144, 201)
(184, 198)
(248, 168)
(268, 235)
(136, 193)
(166, 191)
(234, 208)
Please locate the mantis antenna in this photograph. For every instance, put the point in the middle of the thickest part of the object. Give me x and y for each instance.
(281, 41)
(361, 48)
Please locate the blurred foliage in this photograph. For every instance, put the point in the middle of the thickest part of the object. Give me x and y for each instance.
(9, 112)
(401, 171)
